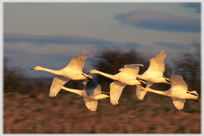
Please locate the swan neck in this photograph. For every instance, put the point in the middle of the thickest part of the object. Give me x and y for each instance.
(56, 72)
(79, 92)
(157, 91)
(140, 76)
(105, 74)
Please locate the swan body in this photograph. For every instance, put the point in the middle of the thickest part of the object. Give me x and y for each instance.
(178, 91)
(91, 95)
(73, 71)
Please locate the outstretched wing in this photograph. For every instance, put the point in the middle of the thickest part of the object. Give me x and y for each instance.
(57, 84)
(77, 63)
(178, 103)
(157, 63)
(141, 93)
(177, 82)
(116, 89)
(91, 104)
(132, 69)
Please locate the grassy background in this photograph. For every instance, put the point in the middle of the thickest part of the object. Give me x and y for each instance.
(67, 113)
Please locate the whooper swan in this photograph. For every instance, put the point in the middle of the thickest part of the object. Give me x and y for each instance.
(154, 74)
(178, 91)
(127, 76)
(73, 71)
(91, 93)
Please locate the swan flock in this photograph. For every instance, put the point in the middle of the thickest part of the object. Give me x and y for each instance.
(128, 75)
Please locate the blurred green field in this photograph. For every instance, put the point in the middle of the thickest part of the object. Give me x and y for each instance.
(67, 113)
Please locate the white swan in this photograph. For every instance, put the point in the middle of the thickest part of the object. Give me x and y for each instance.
(178, 91)
(72, 71)
(127, 76)
(156, 69)
(91, 93)
(154, 74)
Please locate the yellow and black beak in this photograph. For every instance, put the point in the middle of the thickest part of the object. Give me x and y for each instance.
(84, 75)
(33, 68)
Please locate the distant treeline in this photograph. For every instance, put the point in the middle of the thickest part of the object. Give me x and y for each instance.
(109, 61)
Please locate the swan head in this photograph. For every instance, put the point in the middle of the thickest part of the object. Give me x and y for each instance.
(192, 94)
(36, 68)
(121, 69)
(88, 77)
(93, 71)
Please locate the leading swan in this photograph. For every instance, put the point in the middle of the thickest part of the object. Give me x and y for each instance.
(72, 71)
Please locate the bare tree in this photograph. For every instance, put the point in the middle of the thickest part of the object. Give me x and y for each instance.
(188, 65)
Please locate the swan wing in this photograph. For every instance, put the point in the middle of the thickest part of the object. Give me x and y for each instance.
(140, 93)
(116, 89)
(77, 63)
(132, 69)
(157, 63)
(57, 84)
(91, 104)
(92, 88)
(178, 103)
(177, 82)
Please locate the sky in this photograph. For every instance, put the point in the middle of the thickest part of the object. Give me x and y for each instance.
(50, 34)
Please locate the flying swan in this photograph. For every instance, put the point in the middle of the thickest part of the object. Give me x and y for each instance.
(154, 74)
(127, 76)
(91, 93)
(73, 71)
(178, 91)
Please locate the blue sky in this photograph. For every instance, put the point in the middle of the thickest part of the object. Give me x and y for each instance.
(50, 34)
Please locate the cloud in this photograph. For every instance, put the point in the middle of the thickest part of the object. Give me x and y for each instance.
(176, 45)
(160, 21)
(54, 39)
(196, 6)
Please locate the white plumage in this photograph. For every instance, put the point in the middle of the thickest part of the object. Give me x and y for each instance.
(178, 91)
(72, 71)
(127, 76)
(91, 101)
(154, 74)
